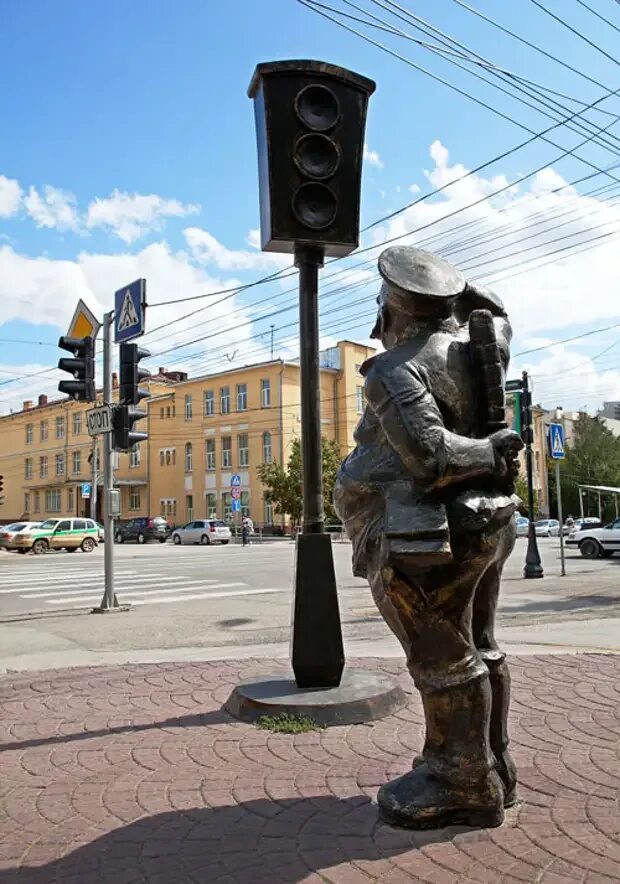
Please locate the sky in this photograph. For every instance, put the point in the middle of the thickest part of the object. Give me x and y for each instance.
(128, 150)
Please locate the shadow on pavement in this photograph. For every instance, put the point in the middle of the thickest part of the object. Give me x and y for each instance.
(219, 716)
(254, 842)
(570, 603)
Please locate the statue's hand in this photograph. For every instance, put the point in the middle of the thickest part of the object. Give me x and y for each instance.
(507, 444)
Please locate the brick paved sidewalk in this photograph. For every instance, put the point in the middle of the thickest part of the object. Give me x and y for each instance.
(134, 774)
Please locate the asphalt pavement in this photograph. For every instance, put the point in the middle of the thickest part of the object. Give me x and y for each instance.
(194, 602)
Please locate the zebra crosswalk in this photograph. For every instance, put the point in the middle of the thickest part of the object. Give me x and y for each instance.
(62, 586)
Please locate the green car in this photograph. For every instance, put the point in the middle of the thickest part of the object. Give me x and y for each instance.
(69, 534)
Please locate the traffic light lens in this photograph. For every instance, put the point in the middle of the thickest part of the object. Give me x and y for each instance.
(317, 156)
(318, 108)
(315, 205)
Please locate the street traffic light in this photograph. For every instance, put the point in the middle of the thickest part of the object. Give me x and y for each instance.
(130, 392)
(124, 437)
(527, 433)
(1, 490)
(82, 367)
(310, 120)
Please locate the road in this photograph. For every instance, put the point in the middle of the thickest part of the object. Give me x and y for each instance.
(214, 598)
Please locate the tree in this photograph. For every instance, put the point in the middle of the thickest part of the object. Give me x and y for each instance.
(521, 491)
(593, 458)
(283, 486)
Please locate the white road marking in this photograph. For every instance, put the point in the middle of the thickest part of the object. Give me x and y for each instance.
(181, 596)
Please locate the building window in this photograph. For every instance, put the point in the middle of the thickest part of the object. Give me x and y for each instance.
(189, 507)
(60, 464)
(211, 506)
(28, 434)
(37, 501)
(43, 466)
(267, 454)
(167, 411)
(242, 397)
(243, 449)
(245, 504)
(226, 451)
(265, 393)
(26, 502)
(209, 403)
(76, 466)
(227, 506)
(268, 512)
(210, 451)
(52, 501)
(60, 427)
(188, 457)
(359, 399)
(43, 431)
(134, 498)
(161, 458)
(188, 407)
(134, 456)
(28, 468)
(161, 414)
(162, 507)
(77, 423)
(224, 400)
(70, 500)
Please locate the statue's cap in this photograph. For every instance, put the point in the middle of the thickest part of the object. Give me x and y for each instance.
(415, 271)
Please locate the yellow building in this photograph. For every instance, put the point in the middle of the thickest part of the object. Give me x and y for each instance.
(201, 431)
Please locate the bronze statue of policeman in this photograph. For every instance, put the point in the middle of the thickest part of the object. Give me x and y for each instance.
(427, 499)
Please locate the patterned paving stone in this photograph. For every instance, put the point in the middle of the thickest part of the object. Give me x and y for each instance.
(135, 774)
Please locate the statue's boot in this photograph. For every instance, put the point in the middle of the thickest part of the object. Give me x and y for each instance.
(498, 731)
(457, 784)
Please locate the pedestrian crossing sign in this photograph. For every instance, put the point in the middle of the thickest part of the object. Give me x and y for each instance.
(129, 306)
(556, 441)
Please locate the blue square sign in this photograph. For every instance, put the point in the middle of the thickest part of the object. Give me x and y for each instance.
(129, 307)
(556, 441)
(236, 506)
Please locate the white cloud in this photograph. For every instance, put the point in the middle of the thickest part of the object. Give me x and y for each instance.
(372, 157)
(55, 208)
(573, 380)
(206, 249)
(10, 196)
(130, 216)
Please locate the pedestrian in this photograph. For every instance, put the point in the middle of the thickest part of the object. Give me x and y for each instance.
(247, 527)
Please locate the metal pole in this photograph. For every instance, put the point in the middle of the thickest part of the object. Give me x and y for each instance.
(108, 601)
(309, 261)
(533, 565)
(93, 487)
(317, 652)
(581, 493)
(558, 489)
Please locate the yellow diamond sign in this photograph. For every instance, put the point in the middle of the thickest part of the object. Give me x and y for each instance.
(84, 324)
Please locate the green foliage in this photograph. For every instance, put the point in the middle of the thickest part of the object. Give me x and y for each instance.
(521, 491)
(283, 485)
(592, 459)
(288, 723)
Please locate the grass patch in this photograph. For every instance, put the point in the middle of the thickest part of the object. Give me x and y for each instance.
(287, 723)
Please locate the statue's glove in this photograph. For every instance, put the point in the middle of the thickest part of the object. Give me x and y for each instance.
(506, 444)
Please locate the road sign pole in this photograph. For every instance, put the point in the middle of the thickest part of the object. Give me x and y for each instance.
(93, 489)
(109, 601)
(558, 488)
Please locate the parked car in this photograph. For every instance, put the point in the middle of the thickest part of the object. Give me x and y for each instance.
(547, 528)
(101, 531)
(142, 530)
(583, 524)
(10, 534)
(595, 542)
(69, 534)
(205, 531)
(523, 525)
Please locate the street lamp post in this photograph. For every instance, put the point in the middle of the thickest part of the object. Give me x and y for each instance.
(533, 568)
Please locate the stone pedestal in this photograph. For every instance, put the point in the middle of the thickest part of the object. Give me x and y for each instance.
(361, 696)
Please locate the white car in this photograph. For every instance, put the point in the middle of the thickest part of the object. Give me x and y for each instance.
(595, 542)
(205, 531)
(547, 528)
(523, 525)
(10, 534)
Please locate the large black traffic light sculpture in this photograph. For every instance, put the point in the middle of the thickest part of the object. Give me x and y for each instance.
(310, 120)
(130, 393)
(81, 366)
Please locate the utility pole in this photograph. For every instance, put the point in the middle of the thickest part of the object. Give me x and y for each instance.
(533, 566)
(93, 488)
